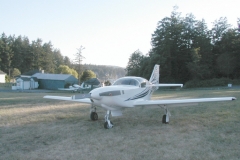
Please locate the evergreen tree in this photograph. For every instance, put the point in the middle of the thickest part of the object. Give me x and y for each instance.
(6, 54)
(172, 43)
(134, 63)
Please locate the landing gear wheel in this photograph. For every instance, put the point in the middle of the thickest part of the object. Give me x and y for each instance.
(107, 126)
(94, 116)
(164, 119)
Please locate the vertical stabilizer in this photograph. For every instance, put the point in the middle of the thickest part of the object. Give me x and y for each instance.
(155, 75)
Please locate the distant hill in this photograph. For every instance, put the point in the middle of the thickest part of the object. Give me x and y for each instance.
(104, 72)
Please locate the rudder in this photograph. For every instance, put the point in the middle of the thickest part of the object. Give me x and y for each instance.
(154, 79)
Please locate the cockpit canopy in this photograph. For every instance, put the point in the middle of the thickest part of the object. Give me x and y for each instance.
(132, 81)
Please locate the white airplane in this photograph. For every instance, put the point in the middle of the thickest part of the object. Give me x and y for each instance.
(128, 92)
(75, 88)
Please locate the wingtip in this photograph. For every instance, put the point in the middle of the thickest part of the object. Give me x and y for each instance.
(234, 98)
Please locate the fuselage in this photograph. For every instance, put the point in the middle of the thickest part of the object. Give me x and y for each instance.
(123, 93)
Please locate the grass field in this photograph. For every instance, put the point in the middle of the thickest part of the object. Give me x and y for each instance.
(35, 128)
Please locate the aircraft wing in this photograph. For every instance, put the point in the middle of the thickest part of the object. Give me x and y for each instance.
(181, 102)
(67, 89)
(84, 100)
(82, 88)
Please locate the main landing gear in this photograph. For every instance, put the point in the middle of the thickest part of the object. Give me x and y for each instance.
(94, 116)
(93, 113)
(165, 118)
(108, 124)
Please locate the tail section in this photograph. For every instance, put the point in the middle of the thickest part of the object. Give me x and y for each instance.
(155, 75)
(154, 80)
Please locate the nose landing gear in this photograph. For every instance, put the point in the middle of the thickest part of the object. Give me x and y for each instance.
(94, 116)
(108, 124)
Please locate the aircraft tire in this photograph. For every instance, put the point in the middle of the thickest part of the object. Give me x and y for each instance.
(106, 126)
(94, 116)
(164, 119)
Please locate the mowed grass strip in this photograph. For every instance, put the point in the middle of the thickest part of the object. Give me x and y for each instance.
(35, 128)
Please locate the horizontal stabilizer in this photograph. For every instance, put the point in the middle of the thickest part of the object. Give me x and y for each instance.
(167, 85)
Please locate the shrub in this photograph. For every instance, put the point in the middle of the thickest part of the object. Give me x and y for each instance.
(210, 83)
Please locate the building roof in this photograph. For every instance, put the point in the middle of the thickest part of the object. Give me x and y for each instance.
(24, 78)
(1, 72)
(27, 78)
(51, 76)
(35, 79)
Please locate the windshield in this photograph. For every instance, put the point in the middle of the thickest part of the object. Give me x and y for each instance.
(126, 81)
(133, 81)
(143, 82)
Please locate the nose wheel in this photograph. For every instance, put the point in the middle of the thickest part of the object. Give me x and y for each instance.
(108, 125)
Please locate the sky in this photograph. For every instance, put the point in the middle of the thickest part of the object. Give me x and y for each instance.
(110, 31)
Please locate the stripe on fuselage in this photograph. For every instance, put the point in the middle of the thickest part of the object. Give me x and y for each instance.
(140, 95)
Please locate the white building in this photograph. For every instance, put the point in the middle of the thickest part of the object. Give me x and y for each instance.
(2, 77)
(25, 83)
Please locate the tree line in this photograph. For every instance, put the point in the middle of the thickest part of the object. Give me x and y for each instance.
(19, 55)
(187, 50)
(23, 55)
